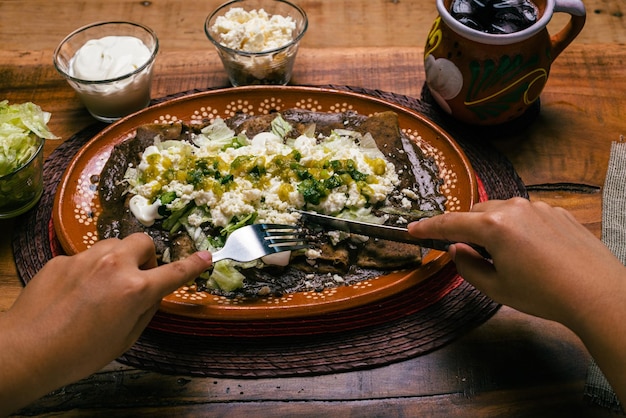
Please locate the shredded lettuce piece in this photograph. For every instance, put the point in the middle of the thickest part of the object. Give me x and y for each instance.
(184, 147)
(218, 136)
(27, 115)
(226, 276)
(193, 220)
(218, 130)
(20, 127)
(363, 215)
(309, 130)
(280, 127)
(200, 240)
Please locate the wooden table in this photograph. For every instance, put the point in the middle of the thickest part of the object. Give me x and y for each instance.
(513, 365)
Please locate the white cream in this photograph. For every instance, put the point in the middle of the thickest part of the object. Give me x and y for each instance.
(112, 58)
(109, 57)
(145, 212)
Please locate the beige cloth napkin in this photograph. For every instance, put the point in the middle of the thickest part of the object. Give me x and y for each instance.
(597, 389)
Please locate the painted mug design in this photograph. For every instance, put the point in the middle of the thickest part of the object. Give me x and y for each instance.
(488, 79)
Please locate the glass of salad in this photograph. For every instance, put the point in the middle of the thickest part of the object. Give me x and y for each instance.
(23, 131)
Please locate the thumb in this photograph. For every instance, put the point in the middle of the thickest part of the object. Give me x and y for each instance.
(173, 275)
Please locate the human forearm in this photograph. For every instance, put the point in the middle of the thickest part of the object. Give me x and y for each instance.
(22, 380)
(603, 330)
(79, 313)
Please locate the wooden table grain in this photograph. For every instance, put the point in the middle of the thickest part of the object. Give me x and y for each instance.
(513, 365)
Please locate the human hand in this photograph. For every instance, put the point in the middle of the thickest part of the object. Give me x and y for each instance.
(544, 262)
(80, 312)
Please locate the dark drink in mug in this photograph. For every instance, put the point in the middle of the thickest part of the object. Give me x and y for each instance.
(486, 78)
(495, 16)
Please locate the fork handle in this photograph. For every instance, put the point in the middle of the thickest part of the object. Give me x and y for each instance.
(219, 255)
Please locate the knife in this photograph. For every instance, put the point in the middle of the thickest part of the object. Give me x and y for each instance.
(391, 233)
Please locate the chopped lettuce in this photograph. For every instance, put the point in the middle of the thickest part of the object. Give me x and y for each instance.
(20, 127)
(193, 221)
(218, 130)
(218, 136)
(363, 215)
(226, 276)
(280, 127)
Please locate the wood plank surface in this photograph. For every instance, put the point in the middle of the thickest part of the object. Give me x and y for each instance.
(513, 365)
(40, 25)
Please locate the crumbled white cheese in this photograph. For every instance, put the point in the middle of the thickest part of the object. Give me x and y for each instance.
(410, 194)
(312, 253)
(254, 31)
(181, 189)
(195, 219)
(334, 203)
(337, 236)
(168, 166)
(337, 278)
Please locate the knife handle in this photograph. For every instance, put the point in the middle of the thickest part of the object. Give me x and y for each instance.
(443, 245)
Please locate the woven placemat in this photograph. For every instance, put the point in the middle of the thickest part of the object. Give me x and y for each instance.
(449, 306)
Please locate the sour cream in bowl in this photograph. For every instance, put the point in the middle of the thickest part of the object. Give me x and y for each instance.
(109, 65)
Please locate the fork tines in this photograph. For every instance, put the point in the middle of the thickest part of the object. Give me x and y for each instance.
(283, 237)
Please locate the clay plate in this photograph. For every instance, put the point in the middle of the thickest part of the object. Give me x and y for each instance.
(76, 207)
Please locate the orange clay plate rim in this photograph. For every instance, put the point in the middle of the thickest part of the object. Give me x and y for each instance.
(76, 206)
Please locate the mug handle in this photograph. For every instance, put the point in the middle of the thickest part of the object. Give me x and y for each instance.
(562, 39)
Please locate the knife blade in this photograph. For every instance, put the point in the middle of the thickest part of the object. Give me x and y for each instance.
(388, 232)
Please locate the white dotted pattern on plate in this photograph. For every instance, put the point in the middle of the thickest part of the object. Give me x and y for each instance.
(87, 209)
(450, 178)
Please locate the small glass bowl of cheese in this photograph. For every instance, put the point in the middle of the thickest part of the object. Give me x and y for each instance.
(109, 65)
(257, 40)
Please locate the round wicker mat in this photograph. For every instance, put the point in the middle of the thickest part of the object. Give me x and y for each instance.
(420, 320)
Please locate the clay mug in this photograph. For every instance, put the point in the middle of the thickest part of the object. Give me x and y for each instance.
(488, 79)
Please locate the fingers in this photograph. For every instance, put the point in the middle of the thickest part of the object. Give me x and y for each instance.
(139, 248)
(454, 226)
(473, 268)
(476, 226)
(137, 252)
(136, 249)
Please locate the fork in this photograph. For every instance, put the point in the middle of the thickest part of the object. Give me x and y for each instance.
(251, 242)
